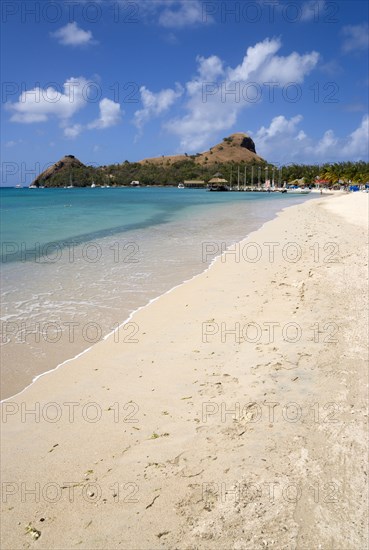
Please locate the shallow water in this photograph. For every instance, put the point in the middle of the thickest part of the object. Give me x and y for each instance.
(77, 262)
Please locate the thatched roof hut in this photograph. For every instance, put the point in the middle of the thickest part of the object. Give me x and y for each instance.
(218, 181)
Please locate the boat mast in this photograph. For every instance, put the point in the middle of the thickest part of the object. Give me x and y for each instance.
(244, 180)
(238, 179)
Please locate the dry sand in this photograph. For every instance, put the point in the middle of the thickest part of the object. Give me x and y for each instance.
(168, 465)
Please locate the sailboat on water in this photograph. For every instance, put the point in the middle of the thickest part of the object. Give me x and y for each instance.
(70, 186)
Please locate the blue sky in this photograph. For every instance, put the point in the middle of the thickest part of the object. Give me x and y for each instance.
(114, 80)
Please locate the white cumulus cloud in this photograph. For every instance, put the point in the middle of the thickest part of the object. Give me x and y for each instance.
(357, 144)
(39, 104)
(73, 131)
(280, 125)
(155, 104)
(110, 114)
(210, 68)
(42, 104)
(217, 94)
(261, 64)
(73, 35)
(283, 141)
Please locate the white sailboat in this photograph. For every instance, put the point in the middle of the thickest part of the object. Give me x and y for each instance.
(70, 186)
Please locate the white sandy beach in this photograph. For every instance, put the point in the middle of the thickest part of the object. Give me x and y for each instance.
(237, 419)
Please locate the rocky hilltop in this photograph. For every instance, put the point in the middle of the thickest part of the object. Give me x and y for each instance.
(65, 167)
(236, 149)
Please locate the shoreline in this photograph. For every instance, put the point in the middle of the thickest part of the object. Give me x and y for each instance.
(110, 334)
(175, 377)
(131, 315)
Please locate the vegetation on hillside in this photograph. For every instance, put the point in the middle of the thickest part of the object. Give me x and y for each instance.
(145, 173)
(172, 174)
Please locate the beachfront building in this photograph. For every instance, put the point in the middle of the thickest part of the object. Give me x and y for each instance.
(217, 181)
(194, 184)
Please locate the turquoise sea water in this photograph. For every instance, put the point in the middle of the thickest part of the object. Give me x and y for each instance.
(32, 217)
(92, 256)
